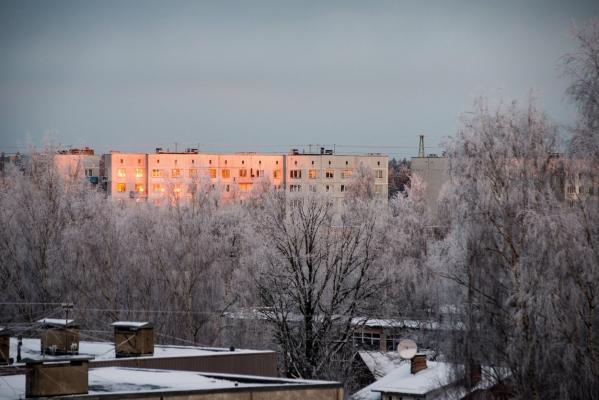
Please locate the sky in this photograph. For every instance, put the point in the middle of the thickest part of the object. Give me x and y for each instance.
(270, 75)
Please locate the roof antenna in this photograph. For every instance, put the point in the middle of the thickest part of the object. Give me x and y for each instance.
(421, 146)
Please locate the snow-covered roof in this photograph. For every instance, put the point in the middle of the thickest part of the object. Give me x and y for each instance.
(56, 321)
(118, 380)
(381, 363)
(130, 324)
(105, 350)
(401, 380)
(405, 323)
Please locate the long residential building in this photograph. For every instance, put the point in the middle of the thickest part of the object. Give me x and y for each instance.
(156, 177)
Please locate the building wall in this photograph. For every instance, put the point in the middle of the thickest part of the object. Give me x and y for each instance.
(434, 172)
(332, 172)
(177, 174)
(161, 177)
(75, 166)
(127, 175)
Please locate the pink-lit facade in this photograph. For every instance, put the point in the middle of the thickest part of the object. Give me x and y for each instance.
(164, 176)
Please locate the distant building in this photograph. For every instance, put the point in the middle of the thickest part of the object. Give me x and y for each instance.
(158, 177)
(78, 163)
(434, 172)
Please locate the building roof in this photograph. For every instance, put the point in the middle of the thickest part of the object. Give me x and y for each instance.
(56, 322)
(105, 350)
(116, 382)
(130, 324)
(381, 363)
(401, 380)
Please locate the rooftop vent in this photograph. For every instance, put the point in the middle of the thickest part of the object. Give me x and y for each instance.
(133, 339)
(4, 346)
(418, 363)
(191, 150)
(294, 152)
(328, 152)
(56, 377)
(59, 336)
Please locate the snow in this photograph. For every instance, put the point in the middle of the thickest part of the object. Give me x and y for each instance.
(56, 321)
(121, 380)
(130, 324)
(401, 380)
(105, 350)
(381, 363)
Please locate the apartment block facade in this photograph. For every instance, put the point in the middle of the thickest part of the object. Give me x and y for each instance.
(161, 176)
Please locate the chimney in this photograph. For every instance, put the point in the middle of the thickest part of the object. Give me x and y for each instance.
(418, 363)
(4, 346)
(133, 339)
(59, 336)
(56, 377)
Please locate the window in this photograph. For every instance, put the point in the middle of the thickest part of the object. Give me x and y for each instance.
(260, 173)
(193, 172)
(313, 188)
(175, 172)
(295, 188)
(571, 189)
(228, 188)
(581, 189)
(295, 174)
(243, 173)
(343, 188)
(379, 174)
(139, 160)
(212, 173)
(157, 173)
(89, 172)
(378, 189)
(157, 187)
(121, 187)
(177, 188)
(312, 174)
(225, 173)
(346, 173)
(121, 172)
(327, 188)
(139, 172)
(244, 187)
(276, 174)
(329, 174)
(139, 188)
(121, 160)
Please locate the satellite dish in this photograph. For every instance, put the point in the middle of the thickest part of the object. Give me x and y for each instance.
(407, 348)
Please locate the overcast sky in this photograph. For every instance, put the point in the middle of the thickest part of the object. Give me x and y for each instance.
(262, 76)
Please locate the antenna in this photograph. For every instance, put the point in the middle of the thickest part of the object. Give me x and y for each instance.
(407, 348)
(421, 146)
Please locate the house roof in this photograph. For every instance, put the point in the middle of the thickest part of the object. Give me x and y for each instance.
(56, 322)
(130, 324)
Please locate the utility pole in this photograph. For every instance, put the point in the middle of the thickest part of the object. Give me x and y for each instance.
(421, 147)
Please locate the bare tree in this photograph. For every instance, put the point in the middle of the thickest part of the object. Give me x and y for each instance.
(318, 271)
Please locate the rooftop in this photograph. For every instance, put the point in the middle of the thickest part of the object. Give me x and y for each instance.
(117, 382)
(105, 350)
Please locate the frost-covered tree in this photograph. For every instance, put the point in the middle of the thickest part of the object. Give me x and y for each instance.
(318, 269)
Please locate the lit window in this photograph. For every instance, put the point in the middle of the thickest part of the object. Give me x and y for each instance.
(157, 173)
(177, 189)
(212, 173)
(157, 187)
(346, 173)
(225, 173)
(243, 173)
(312, 174)
(276, 173)
(121, 172)
(139, 172)
(295, 174)
(175, 172)
(379, 174)
(139, 188)
(329, 174)
(193, 172)
(244, 187)
(121, 187)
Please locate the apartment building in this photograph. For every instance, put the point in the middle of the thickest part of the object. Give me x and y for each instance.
(163, 176)
(331, 173)
(180, 174)
(76, 163)
(125, 175)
